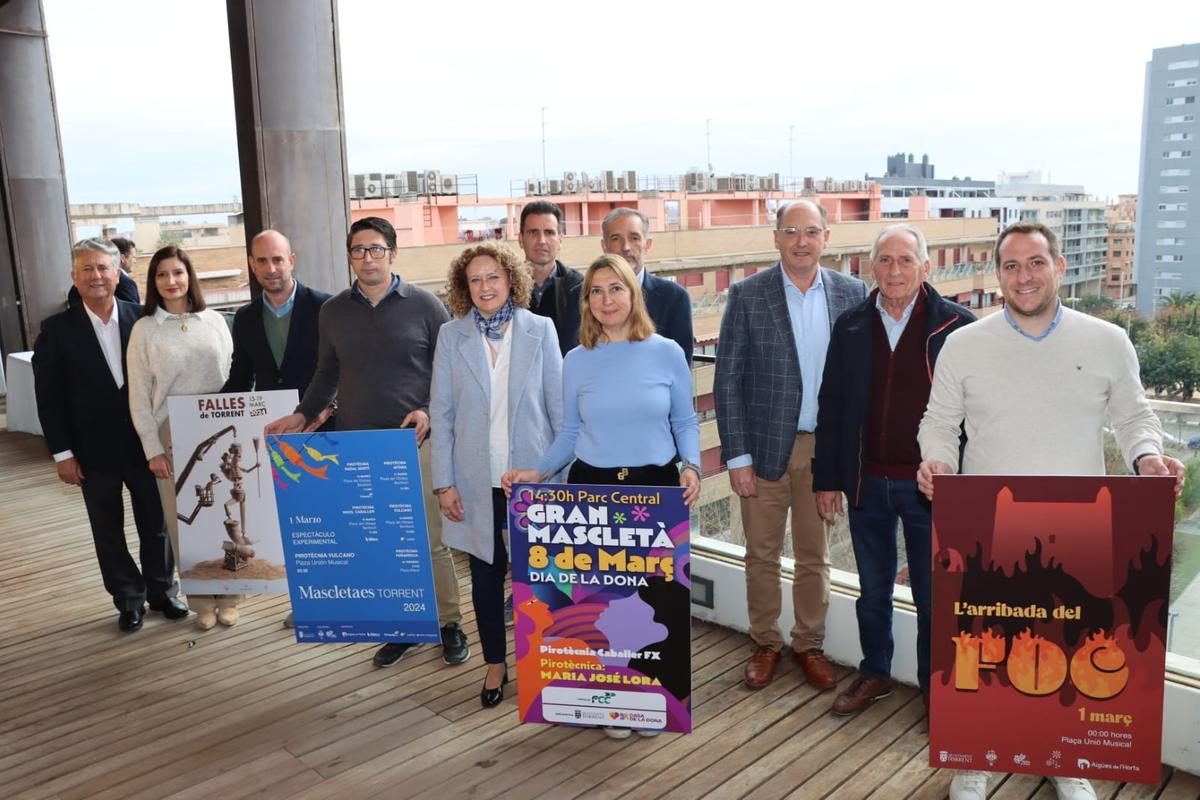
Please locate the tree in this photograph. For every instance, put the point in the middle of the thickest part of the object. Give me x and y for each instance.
(169, 238)
(1094, 304)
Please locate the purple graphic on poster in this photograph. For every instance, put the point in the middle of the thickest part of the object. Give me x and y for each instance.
(602, 597)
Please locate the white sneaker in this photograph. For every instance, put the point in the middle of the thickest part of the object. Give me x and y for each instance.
(1073, 789)
(969, 784)
(647, 733)
(618, 733)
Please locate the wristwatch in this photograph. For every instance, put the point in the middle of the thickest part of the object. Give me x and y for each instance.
(685, 464)
(1138, 459)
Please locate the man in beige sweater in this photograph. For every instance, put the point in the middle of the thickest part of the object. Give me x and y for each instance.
(1033, 385)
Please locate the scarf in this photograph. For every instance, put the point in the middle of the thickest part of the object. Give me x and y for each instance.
(493, 328)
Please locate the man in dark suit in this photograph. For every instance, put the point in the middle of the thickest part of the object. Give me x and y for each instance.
(126, 286)
(83, 403)
(555, 285)
(770, 358)
(625, 232)
(275, 336)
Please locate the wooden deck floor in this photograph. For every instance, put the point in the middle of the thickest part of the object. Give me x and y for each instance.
(86, 711)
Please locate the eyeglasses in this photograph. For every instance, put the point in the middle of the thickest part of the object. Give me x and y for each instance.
(811, 232)
(359, 252)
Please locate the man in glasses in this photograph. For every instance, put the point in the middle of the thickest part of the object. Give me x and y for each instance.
(376, 357)
(770, 359)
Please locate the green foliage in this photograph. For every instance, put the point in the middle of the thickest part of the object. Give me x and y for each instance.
(1095, 304)
(168, 238)
(1190, 499)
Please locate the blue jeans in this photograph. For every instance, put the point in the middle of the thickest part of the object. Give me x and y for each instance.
(873, 533)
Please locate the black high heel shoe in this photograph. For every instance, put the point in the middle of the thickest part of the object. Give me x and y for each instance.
(490, 698)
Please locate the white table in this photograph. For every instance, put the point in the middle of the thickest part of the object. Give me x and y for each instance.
(22, 402)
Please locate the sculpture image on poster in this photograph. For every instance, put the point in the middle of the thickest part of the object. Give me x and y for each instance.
(225, 478)
(355, 538)
(1049, 624)
(602, 603)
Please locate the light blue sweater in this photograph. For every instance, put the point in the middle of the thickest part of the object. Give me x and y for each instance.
(627, 404)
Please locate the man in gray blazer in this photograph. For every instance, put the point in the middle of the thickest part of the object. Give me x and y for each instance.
(770, 359)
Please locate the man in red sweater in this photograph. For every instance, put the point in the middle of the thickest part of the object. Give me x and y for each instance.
(878, 373)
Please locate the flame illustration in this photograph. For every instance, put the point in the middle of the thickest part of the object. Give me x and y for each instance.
(973, 653)
(1036, 666)
(1098, 669)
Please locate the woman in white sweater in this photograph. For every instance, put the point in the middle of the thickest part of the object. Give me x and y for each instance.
(179, 347)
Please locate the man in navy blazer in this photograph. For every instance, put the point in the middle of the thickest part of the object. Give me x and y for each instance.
(770, 358)
(275, 336)
(625, 232)
(83, 404)
(878, 373)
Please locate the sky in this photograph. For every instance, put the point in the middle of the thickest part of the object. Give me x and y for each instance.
(145, 100)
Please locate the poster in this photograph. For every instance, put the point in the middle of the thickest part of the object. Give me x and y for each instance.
(1049, 624)
(225, 478)
(602, 603)
(357, 545)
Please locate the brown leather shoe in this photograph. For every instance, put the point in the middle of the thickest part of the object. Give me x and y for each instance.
(760, 669)
(864, 691)
(817, 669)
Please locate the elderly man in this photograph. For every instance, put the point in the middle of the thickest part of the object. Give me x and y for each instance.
(625, 232)
(126, 286)
(555, 285)
(876, 385)
(770, 359)
(377, 340)
(1044, 413)
(83, 403)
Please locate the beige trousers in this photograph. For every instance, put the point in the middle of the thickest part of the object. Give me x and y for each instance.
(764, 519)
(445, 580)
(199, 603)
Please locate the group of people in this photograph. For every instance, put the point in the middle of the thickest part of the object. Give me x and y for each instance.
(829, 399)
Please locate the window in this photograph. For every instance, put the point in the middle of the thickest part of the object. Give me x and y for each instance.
(1181, 101)
(1177, 118)
(1173, 241)
(1191, 62)
(1177, 153)
(1172, 206)
(1171, 258)
(1177, 137)
(1171, 223)
(1178, 82)
(1175, 172)
(1178, 189)
(1116, 254)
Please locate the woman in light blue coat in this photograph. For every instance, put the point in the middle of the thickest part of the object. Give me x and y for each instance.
(496, 405)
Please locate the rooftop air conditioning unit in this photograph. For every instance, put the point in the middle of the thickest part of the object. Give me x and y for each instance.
(569, 177)
(752, 183)
(570, 185)
(412, 182)
(610, 181)
(449, 184)
(532, 188)
(725, 184)
(620, 183)
(556, 186)
(432, 179)
(631, 184)
(373, 186)
(595, 184)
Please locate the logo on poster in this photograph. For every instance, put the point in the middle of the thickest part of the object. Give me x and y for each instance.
(1083, 763)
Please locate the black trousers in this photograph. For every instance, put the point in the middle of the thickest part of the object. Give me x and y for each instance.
(651, 475)
(129, 587)
(487, 586)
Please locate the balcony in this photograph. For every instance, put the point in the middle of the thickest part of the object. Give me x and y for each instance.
(174, 712)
